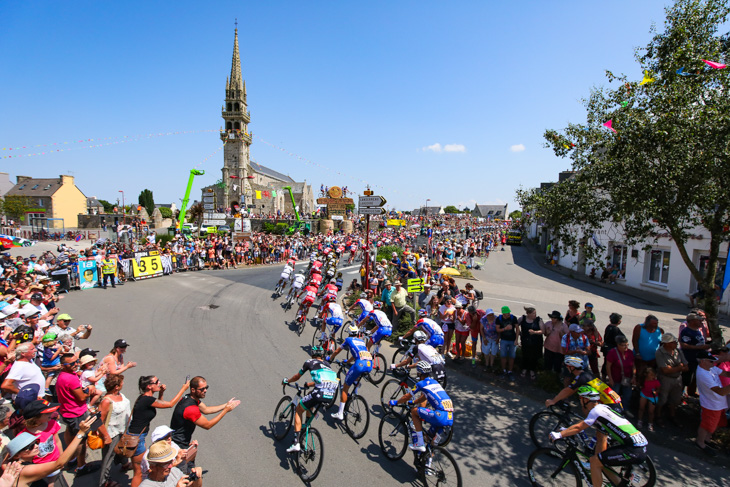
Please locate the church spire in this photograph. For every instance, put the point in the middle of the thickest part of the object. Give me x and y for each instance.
(236, 80)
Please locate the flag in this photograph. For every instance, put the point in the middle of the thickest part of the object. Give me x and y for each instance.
(726, 279)
(258, 195)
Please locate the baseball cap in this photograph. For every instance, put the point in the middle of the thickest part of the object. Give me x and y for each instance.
(88, 351)
(705, 355)
(575, 328)
(38, 407)
(30, 312)
(121, 343)
(26, 395)
(668, 338)
(8, 310)
(693, 316)
(37, 296)
(588, 305)
(160, 433)
(49, 337)
(64, 317)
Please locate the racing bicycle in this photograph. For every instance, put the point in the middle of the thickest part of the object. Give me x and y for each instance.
(555, 418)
(309, 459)
(570, 465)
(357, 411)
(436, 466)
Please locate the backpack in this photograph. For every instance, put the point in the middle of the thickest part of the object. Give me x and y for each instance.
(479, 295)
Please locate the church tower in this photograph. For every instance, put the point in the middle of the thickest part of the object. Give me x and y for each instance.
(236, 136)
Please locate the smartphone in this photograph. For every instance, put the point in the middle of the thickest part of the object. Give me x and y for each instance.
(97, 422)
(187, 378)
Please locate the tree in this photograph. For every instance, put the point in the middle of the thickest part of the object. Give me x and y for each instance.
(666, 168)
(108, 207)
(15, 207)
(451, 209)
(195, 213)
(147, 201)
(515, 215)
(165, 212)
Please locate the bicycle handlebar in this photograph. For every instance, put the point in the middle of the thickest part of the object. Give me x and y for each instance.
(293, 385)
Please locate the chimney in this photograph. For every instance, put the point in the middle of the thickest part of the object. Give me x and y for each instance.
(64, 179)
(22, 179)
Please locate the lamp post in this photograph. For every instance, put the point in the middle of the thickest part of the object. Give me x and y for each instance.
(425, 208)
(124, 212)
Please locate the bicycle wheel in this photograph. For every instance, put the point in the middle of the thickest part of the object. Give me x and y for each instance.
(542, 424)
(546, 466)
(343, 335)
(302, 324)
(391, 390)
(443, 470)
(399, 355)
(283, 417)
(357, 417)
(393, 436)
(315, 337)
(641, 475)
(380, 366)
(309, 459)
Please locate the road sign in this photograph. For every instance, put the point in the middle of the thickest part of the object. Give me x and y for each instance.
(415, 285)
(372, 201)
(371, 211)
(209, 199)
(208, 206)
(214, 216)
(214, 222)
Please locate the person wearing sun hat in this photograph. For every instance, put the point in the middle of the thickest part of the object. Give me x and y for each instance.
(713, 400)
(38, 422)
(161, 456)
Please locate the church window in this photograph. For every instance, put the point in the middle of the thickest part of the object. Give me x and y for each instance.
(228, 107)
(237, 107)
(229, 125)
(237, 126)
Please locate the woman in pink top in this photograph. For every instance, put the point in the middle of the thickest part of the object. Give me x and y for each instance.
(38, 422)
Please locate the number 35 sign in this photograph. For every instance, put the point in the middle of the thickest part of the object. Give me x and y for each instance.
(146, 264)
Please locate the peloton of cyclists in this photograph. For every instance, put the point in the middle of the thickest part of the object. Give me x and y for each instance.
(423, 352)
(331, 315)
(383, 326)
(361, 362)
(431, 328)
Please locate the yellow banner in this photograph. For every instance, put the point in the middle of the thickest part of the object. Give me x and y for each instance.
(396, 223)
(258, 195)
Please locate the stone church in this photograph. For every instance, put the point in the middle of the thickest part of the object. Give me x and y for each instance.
(242, 178)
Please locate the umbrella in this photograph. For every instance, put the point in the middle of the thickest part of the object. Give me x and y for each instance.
(449, 271)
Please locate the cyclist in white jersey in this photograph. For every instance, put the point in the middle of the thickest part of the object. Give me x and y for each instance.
(333, 316)
(284, 276)
(422, 351)
(297, 284)
(365, 306)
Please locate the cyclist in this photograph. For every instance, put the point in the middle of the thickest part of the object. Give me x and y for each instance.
(383, 326)
(297, 284)
(315, 280)
(361, 363)
(325, 383)
(631, 447)
(364, 304)
(425, 353)
(331, 314)
(439, 415)
(291, 262)
(585, 378)
(430, 327)
(329, 290)
(285, 277)
(339, 281)
(310, 294)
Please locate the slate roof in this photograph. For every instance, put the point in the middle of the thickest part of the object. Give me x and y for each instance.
(35, 187)
(270, 172)
(92, 202)
(490, 211)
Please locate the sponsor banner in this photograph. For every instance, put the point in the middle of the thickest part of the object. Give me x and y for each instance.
(88, 273)
(146, 264)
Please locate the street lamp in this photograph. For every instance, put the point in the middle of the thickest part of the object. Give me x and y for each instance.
(425, 208)
(124, 213)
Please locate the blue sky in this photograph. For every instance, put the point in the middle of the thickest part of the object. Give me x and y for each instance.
(422, 99)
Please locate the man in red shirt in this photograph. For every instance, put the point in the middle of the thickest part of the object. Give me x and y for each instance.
(73, 408)
(189, 413)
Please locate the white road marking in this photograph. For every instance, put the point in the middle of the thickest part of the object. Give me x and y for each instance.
(507, 300)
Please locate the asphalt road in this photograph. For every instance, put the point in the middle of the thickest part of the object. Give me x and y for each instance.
(225, 326)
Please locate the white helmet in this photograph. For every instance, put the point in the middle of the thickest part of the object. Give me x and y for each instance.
(420, 336)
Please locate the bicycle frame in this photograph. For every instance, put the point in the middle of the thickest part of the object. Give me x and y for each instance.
(581, 461)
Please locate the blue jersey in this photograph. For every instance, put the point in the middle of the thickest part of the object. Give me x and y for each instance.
(357, 348)
(430, 327)
(435, 394)
(380, 319)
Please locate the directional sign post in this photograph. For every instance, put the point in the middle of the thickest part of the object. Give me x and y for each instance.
(415, 285)
(371, 201)
(372, 211)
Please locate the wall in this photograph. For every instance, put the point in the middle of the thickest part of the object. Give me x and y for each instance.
(68, 203)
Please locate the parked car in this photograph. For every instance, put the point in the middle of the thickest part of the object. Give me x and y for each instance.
(191, 226)
(224, 229)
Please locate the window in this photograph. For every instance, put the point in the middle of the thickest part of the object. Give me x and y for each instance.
(659, 267)
(40, 202)
(35, 187)
(23, 186)
(618, 257)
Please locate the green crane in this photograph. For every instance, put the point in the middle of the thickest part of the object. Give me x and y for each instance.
(300, 224)
(193, 173)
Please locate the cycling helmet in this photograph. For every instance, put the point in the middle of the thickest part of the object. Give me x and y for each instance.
(364, 295)
(333, 281)
(317, 351)
(23, 334)
(420, 336)
(377, 305)
(589, 393)
(422, 312)
(573, 362)
(329, 298)
(352, 330)
(423, 367)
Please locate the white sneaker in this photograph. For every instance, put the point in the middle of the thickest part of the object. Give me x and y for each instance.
(421, 447)
(338, 415)
(294, 447)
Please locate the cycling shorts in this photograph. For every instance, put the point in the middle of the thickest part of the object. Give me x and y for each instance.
(318, 396)
(380, 333)
(435, 340)
(284, 275)
(357, 369)
(437, 419)
(622, 455)
(308, 301)
(362, 316)
(335, 323)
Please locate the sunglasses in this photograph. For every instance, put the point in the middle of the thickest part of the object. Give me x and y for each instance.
(203, 388)
(29, 447)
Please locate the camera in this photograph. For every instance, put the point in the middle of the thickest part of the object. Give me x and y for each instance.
(193, 475)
